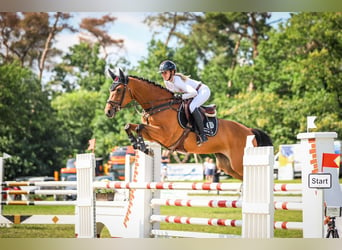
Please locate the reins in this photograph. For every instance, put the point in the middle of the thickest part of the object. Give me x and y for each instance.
(164, 106)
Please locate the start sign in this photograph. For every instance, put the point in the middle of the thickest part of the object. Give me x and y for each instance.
(320, 180)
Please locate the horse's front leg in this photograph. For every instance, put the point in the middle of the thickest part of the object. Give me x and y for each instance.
(140, 140)
(128, 128)
(137, 142)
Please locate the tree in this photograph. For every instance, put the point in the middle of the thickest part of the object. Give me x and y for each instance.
(148, 67)
(296, 74)
(75, 113)
(85, 60)
(93, 28)
(221, 39)
(305, 56)
(175, 23)
(29, 36)
(58, 25)
(226, 34)
(28, 130)
(80, 67)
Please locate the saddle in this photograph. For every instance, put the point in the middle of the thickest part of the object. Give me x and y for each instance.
(208, 110)
(208, 114)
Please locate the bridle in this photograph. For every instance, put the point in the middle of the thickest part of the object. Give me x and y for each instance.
(114, 104)
(117, 105)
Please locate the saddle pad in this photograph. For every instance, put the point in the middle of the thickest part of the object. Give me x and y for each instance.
(209, 123)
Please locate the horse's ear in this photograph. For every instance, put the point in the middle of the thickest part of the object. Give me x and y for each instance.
(123, 77)
(112, 75)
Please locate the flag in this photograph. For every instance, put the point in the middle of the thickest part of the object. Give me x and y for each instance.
(92, 145)
(331, 160)
(311, 122)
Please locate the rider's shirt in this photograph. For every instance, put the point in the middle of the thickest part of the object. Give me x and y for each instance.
(188, 87)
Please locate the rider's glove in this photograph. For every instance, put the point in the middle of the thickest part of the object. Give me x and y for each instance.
(178, 95)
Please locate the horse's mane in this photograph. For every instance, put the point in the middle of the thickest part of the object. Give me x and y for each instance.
(151, 82)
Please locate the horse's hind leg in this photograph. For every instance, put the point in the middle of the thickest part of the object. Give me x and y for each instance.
(223, 163)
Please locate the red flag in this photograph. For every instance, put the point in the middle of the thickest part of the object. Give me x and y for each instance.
(92, 145)
(331, 160)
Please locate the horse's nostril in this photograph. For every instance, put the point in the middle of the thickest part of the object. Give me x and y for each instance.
(109, 113)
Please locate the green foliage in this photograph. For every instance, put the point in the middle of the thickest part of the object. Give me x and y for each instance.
(215, 77)
(75, 112)
(26, 118)
(149, 66)
(81, 67)
(296, 74)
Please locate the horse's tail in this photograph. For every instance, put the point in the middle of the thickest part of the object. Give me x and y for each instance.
(262, 138)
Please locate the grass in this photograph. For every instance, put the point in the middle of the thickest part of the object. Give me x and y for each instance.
(38, 231)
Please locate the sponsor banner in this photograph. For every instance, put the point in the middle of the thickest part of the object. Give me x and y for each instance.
(185, 172)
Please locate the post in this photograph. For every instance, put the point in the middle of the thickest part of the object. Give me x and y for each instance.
(147, 169)
(131, 218)
(85, 209)
(3, 220)
(313, 146)
(1, 180)
(257, 205)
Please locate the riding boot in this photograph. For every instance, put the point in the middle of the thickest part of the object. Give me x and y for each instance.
(199, 124)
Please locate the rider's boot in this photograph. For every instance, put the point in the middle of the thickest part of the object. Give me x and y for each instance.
(199, 124)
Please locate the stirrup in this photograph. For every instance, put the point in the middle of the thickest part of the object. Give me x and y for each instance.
(201, 139)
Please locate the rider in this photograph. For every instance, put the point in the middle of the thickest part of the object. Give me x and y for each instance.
(188, 88)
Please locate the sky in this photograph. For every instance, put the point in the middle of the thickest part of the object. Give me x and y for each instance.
(130, 27)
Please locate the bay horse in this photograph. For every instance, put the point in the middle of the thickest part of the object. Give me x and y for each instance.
(160, 124)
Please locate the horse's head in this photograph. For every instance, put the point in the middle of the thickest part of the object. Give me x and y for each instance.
(119, 96)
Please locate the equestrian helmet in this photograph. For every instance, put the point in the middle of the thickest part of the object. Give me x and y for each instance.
(167, 65)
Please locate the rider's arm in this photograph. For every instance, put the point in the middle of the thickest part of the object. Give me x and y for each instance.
(187, 89)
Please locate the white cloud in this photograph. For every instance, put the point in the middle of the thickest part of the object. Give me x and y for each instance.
(134, 19)
(65, 40)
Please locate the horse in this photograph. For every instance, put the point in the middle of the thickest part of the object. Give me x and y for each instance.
(160, 124)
